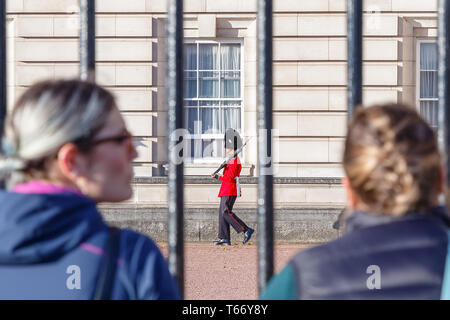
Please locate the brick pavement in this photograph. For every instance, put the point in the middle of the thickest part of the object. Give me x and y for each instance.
(226, 273)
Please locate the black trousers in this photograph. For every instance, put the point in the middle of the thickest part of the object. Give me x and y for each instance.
(227, 218)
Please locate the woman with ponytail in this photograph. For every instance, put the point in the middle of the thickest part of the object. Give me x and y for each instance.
(395, 240)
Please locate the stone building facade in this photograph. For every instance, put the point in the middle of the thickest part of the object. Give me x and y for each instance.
(309, 93)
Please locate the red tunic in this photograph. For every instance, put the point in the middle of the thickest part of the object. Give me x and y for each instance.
(231, 171)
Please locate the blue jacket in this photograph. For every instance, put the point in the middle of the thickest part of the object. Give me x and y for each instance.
(51, 247)
(379, 257)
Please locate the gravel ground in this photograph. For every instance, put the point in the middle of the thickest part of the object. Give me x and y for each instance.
(226, 273)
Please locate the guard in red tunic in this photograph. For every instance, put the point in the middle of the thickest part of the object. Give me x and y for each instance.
(229, 191)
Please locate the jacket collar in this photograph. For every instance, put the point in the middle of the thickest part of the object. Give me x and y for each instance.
(361, 219)
(42, 227)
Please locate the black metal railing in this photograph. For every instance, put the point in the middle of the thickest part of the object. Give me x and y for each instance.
(265, 159)
(354, 55)
(3, 75)
(174, 89)
(87, 40)
(443, 85)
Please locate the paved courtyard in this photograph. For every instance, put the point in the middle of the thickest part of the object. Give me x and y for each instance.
(226, 273)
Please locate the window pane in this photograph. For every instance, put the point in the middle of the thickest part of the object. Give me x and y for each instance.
(190, 84)
(208, 148)
(190, 57)
(196, 149)
(429, 110)
(208, 84)
(190, 103)
(220, 152)
(212, 148)
(231, 84)
(191, 119)
(210, 120)
(232, 118)
(209, 103)
(208, 57)
(428, 84)
(428, 56)
(231, 56)
(211, 76)
(232, 103)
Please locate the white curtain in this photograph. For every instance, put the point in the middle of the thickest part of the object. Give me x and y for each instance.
(191, 118)
(429, 110)
(231, 60)
(190, 84)
(428, 56)
(208, 56)
(230, 56)
(190, 57)
(208, 84)
(232, 118)
(208, 80)
(216, 76)
(210, 118)
(231, 84)
(429, 82)
(190, 77)
(213, 148)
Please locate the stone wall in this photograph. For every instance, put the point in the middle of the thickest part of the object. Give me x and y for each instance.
(299, 225)
(300, 215)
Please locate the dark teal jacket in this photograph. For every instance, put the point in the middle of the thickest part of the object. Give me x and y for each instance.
(378, 257)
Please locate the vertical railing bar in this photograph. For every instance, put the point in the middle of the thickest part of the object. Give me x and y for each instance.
(3, 79)
(265, 164)
(354, 55)
(443, 86)
(87, 40)
(174, 89)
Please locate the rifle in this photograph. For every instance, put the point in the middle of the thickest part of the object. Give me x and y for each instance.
(231, 157)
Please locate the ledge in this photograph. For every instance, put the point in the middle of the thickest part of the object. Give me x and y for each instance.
(242, 180)
(295, 224)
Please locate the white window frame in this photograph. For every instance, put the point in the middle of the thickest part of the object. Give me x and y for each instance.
(242, 99)
(418, 99)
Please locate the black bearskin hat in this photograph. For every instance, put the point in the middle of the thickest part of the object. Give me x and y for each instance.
(232, 139)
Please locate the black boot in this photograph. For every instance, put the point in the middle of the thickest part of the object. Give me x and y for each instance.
(247, 235)
(222, 242)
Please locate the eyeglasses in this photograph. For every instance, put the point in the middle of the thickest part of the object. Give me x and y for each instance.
(119, 139)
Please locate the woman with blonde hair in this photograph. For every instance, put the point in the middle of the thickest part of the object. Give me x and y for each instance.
(395, 240)
(65, 149)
